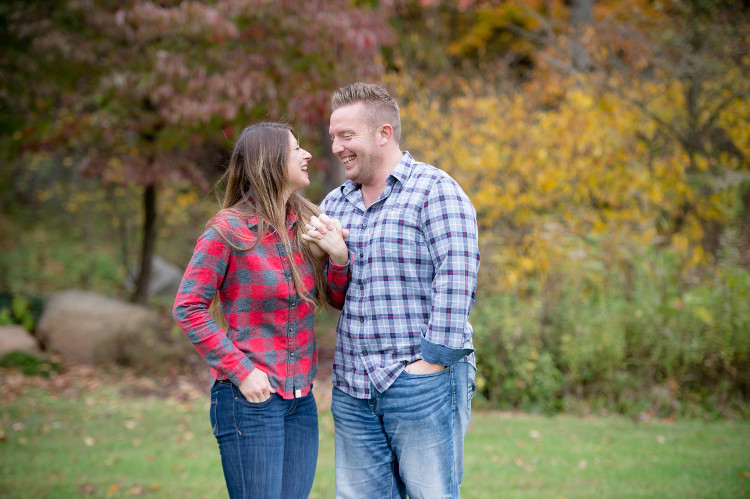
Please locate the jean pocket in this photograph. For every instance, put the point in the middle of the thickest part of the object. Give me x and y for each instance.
(407, 374)
(472, 388)
(212, 412)
(239, 397)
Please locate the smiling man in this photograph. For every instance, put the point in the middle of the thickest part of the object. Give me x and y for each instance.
(404, 366)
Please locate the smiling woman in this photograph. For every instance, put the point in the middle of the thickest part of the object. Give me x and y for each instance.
(296, 176)
(247, 301)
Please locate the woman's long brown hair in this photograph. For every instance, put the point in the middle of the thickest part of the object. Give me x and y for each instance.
(255, 182)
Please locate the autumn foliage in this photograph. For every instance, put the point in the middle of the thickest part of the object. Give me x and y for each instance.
(604, 145)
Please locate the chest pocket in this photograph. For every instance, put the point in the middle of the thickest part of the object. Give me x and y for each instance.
(398, 236)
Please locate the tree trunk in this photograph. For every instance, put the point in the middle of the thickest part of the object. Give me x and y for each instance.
(140, 294)
(580, 19)
(744, 237)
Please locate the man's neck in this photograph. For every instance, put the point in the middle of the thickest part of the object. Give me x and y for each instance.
(371, 191)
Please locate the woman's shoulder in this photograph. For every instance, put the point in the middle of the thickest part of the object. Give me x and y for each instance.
(237, 230)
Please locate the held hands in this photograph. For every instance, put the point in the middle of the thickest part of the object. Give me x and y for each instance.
(327, 237)
(256, 387)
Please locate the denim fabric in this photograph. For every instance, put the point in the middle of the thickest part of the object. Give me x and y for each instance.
(406, 440)
(268, 449)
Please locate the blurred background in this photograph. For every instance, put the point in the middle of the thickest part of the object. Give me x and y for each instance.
(605, 146)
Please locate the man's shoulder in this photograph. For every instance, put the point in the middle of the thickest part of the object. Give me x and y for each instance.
(424, 175)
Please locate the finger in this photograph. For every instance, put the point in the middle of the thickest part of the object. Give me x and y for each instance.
(327, 221)
(313, 231)
(318, 224)
(344, 233)
(337, 225)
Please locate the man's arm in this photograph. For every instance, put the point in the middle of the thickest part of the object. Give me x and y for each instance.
(450, 227)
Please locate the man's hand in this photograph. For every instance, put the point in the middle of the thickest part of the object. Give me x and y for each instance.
(329, 236)
(256, 387)
(423, 367)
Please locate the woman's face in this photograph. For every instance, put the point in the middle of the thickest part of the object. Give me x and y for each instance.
(296, 169)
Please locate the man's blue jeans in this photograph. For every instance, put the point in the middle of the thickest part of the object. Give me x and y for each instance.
(407, 440)
(268, 449)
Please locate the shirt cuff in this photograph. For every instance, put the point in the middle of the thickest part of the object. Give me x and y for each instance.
(340, 268)
(441, 354)
(241, 371)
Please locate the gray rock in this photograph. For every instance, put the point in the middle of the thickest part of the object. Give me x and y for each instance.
(165, 278)
(79, 325)
(17, 339)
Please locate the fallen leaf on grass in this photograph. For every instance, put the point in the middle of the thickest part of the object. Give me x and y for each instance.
(86, 489)
(744, 474)
(134, 491)
(661, 439)
(583, 464)
(89, 441)
(113, 489)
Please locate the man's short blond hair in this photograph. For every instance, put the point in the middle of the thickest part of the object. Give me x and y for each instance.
(383, 108)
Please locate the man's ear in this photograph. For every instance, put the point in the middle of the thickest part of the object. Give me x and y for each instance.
(385, 133)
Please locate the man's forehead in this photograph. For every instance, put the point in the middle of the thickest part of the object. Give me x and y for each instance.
(347, 118)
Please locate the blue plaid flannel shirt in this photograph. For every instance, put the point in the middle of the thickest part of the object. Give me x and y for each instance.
(415, 258)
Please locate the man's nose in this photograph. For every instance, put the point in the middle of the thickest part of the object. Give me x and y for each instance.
(336, 146)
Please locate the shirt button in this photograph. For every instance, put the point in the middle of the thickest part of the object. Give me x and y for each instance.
(361, 287)
(364, 224)
(291, 354)
(291, 329)
(364, 352)
(361, 319)
(361, 255)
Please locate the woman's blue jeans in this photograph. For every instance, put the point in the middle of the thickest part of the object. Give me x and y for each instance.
(268, 449)
(406, 440)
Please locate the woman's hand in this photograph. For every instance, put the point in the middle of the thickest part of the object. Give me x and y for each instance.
(328, 236)
(256, 387)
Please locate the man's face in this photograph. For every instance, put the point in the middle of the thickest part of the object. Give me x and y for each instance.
(355, 143)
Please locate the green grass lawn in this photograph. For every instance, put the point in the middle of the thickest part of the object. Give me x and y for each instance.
(97, 438)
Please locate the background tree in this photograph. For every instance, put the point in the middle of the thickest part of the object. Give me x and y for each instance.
(160, 88)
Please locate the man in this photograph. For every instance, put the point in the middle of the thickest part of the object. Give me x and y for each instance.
(404, 367)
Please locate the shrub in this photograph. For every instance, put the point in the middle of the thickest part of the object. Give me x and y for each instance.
(641, 338)
(29, 365)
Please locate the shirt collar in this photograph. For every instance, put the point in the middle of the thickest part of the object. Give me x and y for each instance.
(400, 173)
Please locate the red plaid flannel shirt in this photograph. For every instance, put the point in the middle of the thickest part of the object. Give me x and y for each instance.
(270, 326)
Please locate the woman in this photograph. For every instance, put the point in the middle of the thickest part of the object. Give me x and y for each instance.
(251, 264)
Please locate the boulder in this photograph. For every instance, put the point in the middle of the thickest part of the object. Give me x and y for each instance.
(17, 339)
(165, 278)
(79, 325)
